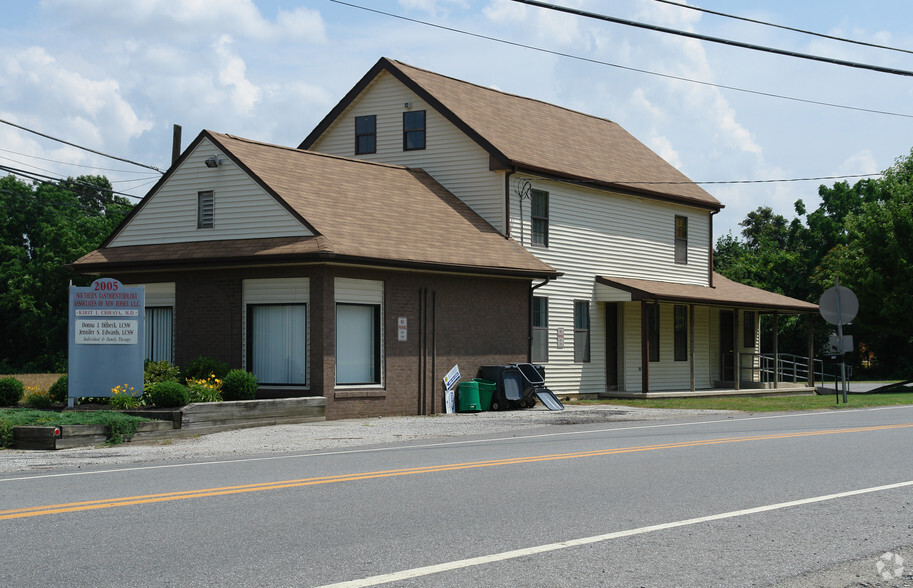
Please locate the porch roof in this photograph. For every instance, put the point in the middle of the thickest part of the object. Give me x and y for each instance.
(724, 292)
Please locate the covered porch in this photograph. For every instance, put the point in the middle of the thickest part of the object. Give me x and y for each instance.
(712, 333)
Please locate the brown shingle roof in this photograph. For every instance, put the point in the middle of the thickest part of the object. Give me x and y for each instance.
(539, 137)
(723, 292)
(361, 211)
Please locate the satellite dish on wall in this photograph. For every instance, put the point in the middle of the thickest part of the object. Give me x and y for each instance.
(838, 305)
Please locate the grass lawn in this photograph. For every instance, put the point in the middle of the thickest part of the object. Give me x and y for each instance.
(763, 404)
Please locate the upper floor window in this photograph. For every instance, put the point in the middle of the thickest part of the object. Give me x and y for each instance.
(413, 130)
(540, 217)
(365, 134)
(205, 209)
(681, 239)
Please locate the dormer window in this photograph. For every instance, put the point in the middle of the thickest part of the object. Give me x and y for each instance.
(365, 134)
(205, 209)
(413, 130)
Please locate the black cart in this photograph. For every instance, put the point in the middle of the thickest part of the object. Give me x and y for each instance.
(519, 385)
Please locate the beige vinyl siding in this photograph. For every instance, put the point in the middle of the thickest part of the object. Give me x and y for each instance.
(449, 156)
(242, 209)
(666, 374)
(597, 233)
(274, 291)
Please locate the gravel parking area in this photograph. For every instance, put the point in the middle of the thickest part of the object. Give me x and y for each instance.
(329, 435)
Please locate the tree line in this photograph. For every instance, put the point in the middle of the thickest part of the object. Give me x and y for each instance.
(861, 234)
(44, 226)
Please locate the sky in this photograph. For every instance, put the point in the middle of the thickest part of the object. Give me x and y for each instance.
(116, 75)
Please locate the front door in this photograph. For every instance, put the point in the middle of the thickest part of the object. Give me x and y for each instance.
(727, 346)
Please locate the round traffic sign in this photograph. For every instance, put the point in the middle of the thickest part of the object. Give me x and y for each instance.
(838, 305)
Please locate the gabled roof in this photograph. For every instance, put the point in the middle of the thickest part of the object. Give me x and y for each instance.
(359, 212)
(537, 137)
(724, 292)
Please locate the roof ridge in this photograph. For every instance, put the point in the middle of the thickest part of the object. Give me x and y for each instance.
(502, 92)
(305, 151)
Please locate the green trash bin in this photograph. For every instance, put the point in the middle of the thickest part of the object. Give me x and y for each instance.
(486, 391)
(468, 397)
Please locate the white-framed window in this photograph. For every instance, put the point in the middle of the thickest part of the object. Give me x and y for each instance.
(277, 343)
(540, 329)
(158, 321)
(581, 331)
(681, 239)
(158, 336)
(276, 332)
(539, 216)
(359, 332)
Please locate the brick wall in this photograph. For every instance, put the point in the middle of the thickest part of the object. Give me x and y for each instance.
(451, 320)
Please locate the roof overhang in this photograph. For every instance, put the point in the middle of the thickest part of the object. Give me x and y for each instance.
(724, 292)
(264, 252)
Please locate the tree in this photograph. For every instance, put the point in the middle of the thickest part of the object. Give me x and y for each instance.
(876, 262)
(47, 225)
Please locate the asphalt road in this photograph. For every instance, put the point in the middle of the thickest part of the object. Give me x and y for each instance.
(708, 501)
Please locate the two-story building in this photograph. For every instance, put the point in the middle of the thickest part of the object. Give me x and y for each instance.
(638, 307)
(429, 222)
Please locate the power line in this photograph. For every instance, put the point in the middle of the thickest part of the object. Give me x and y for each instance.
(624, 67)
(80, 146)
(784, 27)
(124, 171)
(52, 180)
(708, 38)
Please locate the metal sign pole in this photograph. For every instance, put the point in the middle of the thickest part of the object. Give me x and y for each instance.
(840, 342)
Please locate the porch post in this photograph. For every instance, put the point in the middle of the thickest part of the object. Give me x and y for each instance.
(736, 356)
(777, 349)
(644, 350)
(811, 351)
(691, 342)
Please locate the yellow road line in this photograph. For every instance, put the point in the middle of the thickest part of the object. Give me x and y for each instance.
(227, 490)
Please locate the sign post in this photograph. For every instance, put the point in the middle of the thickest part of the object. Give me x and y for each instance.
(838, 306)
(106, 339)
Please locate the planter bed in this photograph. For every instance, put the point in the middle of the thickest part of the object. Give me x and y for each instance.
(193, 419)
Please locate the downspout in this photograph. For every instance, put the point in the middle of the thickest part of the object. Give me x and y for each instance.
(507, 175)
(529, 347)
(710, 249)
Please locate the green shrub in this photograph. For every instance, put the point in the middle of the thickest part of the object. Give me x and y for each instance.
(11, 391)
(239, 385)
(160, 371)
(35, 397)
(166, 394)
(58, 389)
(204, 367)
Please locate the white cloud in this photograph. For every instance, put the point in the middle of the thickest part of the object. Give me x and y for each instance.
(232, 72)
(182, 18)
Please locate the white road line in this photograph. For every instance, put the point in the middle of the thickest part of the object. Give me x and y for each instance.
(448, 443)
(507, 555)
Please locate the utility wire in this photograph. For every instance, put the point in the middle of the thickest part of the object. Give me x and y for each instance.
(53, 180)
(123, 171)
(784, 27)
(80, 146)
(624, 67)
(708, 38)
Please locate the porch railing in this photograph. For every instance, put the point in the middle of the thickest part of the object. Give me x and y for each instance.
(764, 368)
